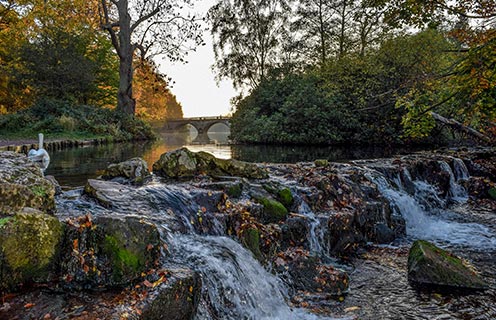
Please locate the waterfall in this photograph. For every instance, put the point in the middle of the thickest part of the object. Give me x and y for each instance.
(426, 217)
(235, 285)
(461, 171)
(316, 234)
(456, 191)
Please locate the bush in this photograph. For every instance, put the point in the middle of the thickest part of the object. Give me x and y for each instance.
(64, 119)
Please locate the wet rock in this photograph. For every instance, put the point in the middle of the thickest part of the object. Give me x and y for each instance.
(321, 162)
(175, 299)
(235, 190)
(479, 187)
(383, 234)
(308, 273)
(342, 235)
(280, 192)
(134, 170)
(273, 210)
(55, 183)
(109, 193)
(184, 163)
(250, 238)
(22, 185)
(492, 193)
(432, 172)
(108, 251)
(29, 248)
(295, 231)
(430, 265)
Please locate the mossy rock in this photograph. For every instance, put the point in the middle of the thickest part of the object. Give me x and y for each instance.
(321, 162)
(433, 266)
(176, 164)
(250, 238)
(29, 244)
(134, 170)
(285, 197)
(235, 190)
(22, 185)
(273, 210)
(281, 193)
(492, 193)
(115, 251)
(183, 163)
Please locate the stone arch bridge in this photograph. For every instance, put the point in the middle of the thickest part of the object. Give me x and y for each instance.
(201, 124)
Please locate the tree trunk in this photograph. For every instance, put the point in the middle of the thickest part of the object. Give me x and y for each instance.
(125, 101)
(457, 126)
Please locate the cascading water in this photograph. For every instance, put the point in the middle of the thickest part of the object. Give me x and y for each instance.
(456, 191)
(461, 171)
(425, 213)
(315, 234)
(236, 286)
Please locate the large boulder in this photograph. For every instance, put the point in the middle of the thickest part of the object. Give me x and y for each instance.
(22, 185)
(134, 170)
(430, 265)
(29, 246)
(184, 163)
(108, 251)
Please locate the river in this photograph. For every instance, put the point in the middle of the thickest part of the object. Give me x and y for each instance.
(72, 167)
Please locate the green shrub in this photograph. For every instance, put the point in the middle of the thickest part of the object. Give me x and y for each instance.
(61, 118)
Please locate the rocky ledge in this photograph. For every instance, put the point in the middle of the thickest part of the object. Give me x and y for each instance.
(114, 234)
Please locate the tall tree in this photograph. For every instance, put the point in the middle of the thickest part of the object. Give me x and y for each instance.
(313, 23)
(154, 101)
(147, 28)
(247, 35)
(465, 89)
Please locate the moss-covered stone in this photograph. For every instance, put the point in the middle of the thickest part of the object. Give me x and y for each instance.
(184, 163)
(115, 251)
(29, 246)
(492, 193)
(134, 170)
(321, 163)
(273, 210)
(22, 185)
(285, 197)
(175, 164)
(250, 238)
(430, 265)
(235, 190)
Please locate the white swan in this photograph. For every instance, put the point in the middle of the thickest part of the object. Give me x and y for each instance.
(40, 155)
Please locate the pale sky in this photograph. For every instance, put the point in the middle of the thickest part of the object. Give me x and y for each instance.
(195, 86)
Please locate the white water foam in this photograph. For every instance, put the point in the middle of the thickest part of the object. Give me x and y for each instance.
(423, 225)
(237, 286)
(316, 234)
(456, 191)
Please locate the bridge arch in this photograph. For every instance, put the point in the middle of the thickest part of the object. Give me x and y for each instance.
(201, 124)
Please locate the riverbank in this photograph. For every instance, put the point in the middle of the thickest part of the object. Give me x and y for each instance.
(24, 145)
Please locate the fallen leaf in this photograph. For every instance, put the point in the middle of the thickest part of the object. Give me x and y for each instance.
(349, 309)
(29, 305)
(148, 283)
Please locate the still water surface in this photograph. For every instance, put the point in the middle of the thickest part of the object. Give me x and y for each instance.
(72, 167)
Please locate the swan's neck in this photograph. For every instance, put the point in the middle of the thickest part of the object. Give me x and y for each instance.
(40, 141)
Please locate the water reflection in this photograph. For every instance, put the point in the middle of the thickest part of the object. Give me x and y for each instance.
(72, 167)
